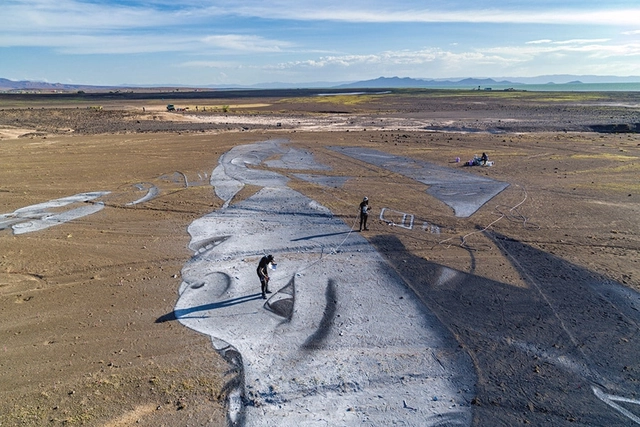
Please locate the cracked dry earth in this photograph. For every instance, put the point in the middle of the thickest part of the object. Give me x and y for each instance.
(535, 292)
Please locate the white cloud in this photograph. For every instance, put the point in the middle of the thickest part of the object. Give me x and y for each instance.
(567, 42)
(380, 12)
(488, 61)
(209, 64)
(246, 43)
(102, 44)
(599, 48)
(68, 15)
(397, 58)
(147, 43)
(202, 30)
(580, 41)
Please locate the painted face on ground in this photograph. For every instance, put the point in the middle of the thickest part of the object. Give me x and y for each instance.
(341, 340)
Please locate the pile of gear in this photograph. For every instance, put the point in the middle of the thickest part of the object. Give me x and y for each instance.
(480, 161)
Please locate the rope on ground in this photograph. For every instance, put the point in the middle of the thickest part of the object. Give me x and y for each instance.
(509, 215)
(333, 250)
(353, 226)
(518, 217)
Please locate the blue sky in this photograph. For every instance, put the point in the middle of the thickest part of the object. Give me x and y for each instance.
(202, 42)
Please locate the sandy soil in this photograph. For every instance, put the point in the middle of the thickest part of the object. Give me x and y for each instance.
(532, 285)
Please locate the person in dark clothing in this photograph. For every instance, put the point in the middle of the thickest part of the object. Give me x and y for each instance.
(364, 213)
(263, 274)
(484, 158)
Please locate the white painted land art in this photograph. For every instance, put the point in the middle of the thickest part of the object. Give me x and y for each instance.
(151, 193)
(59, 211)
(431, 228)
(324, 180)
(341, 340)
(611, 399)
(48, 214)
(464, 192)
(396, 218)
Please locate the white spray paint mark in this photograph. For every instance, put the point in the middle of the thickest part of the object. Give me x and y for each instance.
(64, 201)
(570, 364)
(41, 216)
(51, 220)
(152, 192)
(432, 228)
(610, 400)
(396, 218)
(446, 275)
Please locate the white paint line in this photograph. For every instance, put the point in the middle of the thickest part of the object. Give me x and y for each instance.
(609, 400)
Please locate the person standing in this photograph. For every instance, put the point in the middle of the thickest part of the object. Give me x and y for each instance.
(364, 213)
(263, 274)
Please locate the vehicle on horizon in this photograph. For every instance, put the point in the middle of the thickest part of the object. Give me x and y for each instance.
(171, 107)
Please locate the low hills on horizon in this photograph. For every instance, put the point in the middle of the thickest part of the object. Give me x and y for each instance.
(7, 85)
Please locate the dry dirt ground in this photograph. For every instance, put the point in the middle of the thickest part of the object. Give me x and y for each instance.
(536, 304)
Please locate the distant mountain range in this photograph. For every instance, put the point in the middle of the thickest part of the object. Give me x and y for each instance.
(27, 85)
(407, 82)
(381, 82)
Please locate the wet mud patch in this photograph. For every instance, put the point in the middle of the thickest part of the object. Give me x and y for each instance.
(463, 129)
(616, 128)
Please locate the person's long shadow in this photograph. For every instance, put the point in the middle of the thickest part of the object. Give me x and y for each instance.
(183, 312)
(540, 352)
